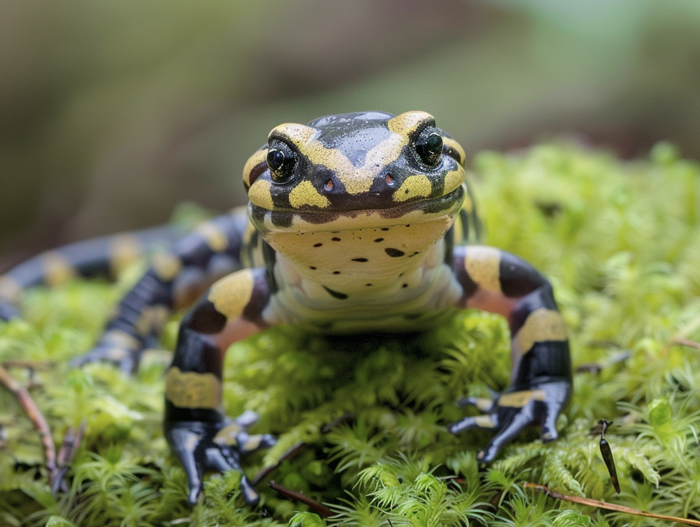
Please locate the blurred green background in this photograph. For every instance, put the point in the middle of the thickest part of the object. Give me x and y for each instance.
(111, 113)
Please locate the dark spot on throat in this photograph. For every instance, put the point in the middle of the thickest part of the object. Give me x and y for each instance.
(336, 272)
(379, 240)
(359, 259)
(394, 253)
(317, 244)
(335, 239)
(336, 294)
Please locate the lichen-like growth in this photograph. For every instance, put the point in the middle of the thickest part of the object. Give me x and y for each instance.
(620, 242)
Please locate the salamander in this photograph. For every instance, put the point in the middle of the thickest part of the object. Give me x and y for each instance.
(356, 222)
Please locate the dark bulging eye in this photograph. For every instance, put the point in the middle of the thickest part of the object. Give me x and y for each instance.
(429, 147)
(281, 160)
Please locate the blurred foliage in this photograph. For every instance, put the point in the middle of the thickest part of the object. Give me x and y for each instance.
(620, 241)
(114, 111)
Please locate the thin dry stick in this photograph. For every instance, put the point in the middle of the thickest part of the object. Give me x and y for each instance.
(608, 506)
(38, 419)
(686, 342)
(71, 442)
(321, 510)
(299, 447)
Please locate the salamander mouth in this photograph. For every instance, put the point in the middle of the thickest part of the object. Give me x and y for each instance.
(424, 210)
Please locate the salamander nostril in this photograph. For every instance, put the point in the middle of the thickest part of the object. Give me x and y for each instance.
(390, 181)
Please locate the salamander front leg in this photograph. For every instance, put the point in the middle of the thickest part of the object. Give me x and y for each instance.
(196, 428)
(541, 381)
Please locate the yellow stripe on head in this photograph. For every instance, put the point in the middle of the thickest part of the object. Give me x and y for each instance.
(413, 187)
(454, 145)
(258, 157)
(260, 194)
(306, 194)
(409, 122)
(453, 179)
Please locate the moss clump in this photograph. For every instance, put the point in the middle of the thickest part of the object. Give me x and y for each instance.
(621, 243)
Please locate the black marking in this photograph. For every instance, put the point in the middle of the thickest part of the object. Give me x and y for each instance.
(335, 239)
(404, 286)
(336, 272)
(379, 240)
(385, 228)
(317, 244)
(359, 260)
(394, 253)
(408, 225)
(312, 268)
(368, 285)
(206, 319)
(335, 294)
(518, 278)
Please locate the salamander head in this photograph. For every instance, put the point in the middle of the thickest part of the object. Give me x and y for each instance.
(358, 174)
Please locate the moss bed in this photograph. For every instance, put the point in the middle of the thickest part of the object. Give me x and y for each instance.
(620, 241)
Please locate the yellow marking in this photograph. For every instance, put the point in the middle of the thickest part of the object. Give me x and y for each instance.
(9, 289)
(413, 187)
(355, 180)
(259, 194)
(448, 141)
(57, 269)
(408, 122)
(306, 194)
(482, 265)
(484, 421)
(124, 249)
(252, 443)
(258, 157)
(192, 390)
(121, 339)
(232, 293)
(299, 134)
(167, 266)
(542, 324)
(228, 435)
(214, 236)
(483, 404)
(520, 399)
(453, 179)
(152, 319)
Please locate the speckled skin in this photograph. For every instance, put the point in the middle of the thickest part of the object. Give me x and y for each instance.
(356, 223)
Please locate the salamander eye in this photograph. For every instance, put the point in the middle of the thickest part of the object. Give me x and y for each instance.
(429, 147)
(281, 159)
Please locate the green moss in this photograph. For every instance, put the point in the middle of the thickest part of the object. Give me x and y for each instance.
(621, 243)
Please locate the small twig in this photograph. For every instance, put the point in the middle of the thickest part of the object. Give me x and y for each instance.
(299, 447)
(321, 510)
(606, 452)
(37, 418)
(686, 342)
(71, 442)
(343, 419)
(288, 454)
(608, 506)
(30, 364)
